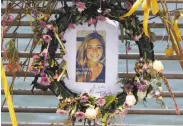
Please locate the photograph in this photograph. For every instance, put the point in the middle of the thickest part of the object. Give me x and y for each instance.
(90, 56)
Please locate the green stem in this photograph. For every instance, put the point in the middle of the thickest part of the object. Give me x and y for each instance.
(104, 119)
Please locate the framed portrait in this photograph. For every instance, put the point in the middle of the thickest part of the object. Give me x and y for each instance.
(92, 59)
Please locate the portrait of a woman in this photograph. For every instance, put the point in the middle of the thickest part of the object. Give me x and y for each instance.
(90, 59)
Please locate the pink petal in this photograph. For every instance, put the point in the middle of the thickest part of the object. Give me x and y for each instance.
(47, 38)
(36, 57)
(45, 81)
(81, 6)
(62, 112)
(91, 21)
(49, 26)
(71, 26)
(101, 18)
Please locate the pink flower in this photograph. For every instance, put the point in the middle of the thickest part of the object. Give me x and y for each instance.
(42, 73)
(36, 57)
(8, 68)
(83, 99)
(101, 18)
(101, 101)
(91, 21)
(45, 81)
(18, 67)
(61, 111)
(81, 6)
(47, 38)
(128, 5)
(55, 76)
(33, 70)
(80, 115)
(49, 26)
(72, 26)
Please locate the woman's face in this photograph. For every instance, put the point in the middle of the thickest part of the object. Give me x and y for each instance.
(94, 50)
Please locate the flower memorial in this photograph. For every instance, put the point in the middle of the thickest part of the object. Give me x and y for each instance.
(146, 83)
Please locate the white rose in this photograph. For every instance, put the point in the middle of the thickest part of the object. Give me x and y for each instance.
(130, 100)
(91, 113)
(141, 95)
(157, 65)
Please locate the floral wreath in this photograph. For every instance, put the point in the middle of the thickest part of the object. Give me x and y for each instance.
(145, 84)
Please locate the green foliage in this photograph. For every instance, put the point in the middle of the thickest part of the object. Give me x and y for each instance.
(109, 99)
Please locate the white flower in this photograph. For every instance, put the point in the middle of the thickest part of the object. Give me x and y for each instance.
(91, 113)
(130, 100)
(157, 65)
(157, 93)
(60, 97)
(141, 95)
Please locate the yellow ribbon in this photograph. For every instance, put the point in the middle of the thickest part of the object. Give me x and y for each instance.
(146, 6)
(132, 10)
(60, 42)
(60, 76)
(176, 28)
(146, 9)
(8, 97)
(181, 13)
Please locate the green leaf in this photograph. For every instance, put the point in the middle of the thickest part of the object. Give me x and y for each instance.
(109, 99)
(73, 111)
(52, 62)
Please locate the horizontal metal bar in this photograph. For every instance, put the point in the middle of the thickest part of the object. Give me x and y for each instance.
(167, 75)
(39, 92)
(17, 35)
(158, 56)
(130, 111)
(151, 25)
(17, 10)
(120, 75)
(80, 124)
(23, 35)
